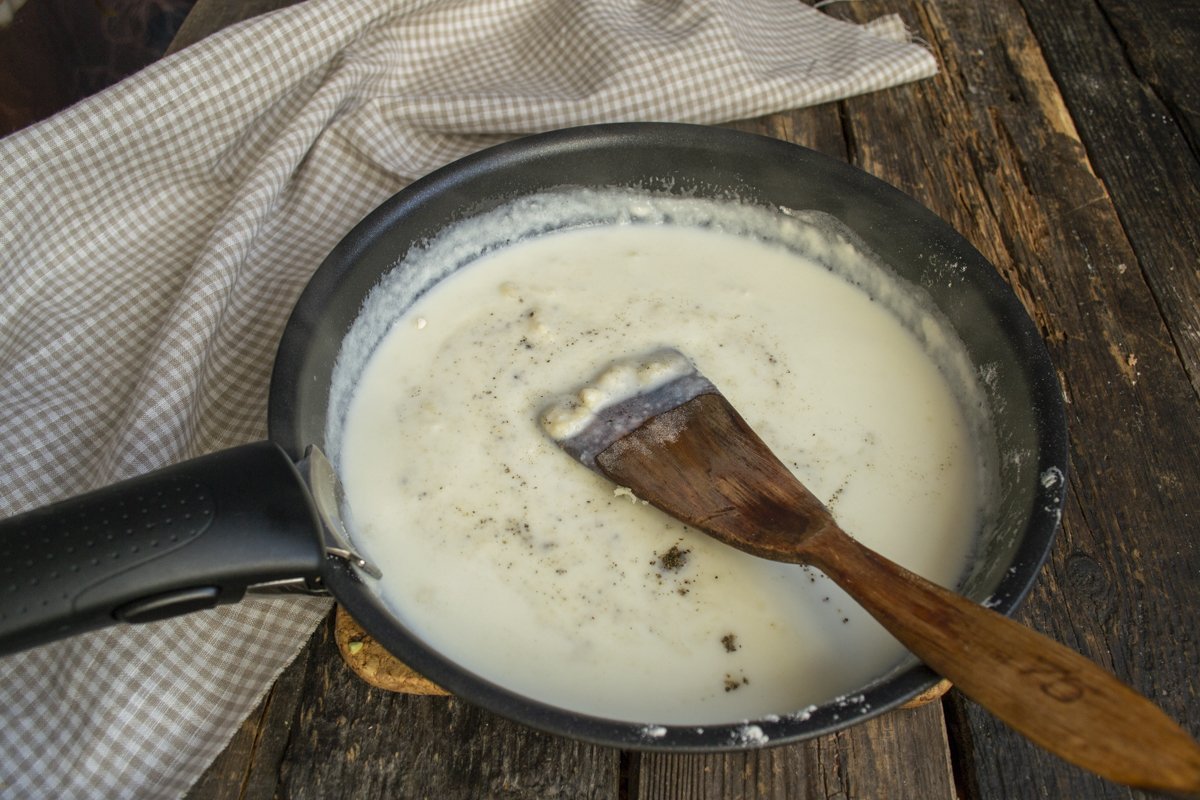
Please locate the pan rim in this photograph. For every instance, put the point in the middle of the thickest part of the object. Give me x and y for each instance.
(884, 694)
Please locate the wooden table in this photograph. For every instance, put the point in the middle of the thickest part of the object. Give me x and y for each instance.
(1063, 140)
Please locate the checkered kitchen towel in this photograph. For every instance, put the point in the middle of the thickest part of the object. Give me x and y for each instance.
(153, 239)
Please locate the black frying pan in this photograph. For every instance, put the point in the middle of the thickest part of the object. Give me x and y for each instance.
(206, 531)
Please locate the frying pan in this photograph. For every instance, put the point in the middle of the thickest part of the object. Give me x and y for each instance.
(266, 516)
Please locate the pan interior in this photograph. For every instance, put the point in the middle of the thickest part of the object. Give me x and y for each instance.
(1005, 357)
(474, 540)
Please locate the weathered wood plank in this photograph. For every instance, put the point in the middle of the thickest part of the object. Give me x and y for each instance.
(351, 740)
(999, 156)
(1135, 95)
(819, 128)
(1159, 39)
(209, 16)
(248, 768)
(893, 757)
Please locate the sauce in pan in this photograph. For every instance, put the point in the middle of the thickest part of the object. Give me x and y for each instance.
(516, 561)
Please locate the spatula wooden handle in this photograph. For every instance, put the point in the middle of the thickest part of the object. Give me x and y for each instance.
(702, 463)
(1048, 692)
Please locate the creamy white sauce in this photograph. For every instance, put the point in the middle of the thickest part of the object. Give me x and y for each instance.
(508, 556)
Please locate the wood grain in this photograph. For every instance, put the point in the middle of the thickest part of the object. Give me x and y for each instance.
(209, 16)
(886, 758)
(1137, 102)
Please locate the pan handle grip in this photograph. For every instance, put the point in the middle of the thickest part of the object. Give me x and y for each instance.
(180, 539)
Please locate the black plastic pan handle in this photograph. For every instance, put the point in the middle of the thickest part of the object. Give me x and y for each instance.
(180, 539)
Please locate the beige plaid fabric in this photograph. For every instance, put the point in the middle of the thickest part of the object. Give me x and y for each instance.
(155, 237)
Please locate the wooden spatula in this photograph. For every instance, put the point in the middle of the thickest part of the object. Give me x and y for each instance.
(683, 448)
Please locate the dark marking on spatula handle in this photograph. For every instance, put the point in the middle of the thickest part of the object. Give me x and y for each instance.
(1055, 681)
